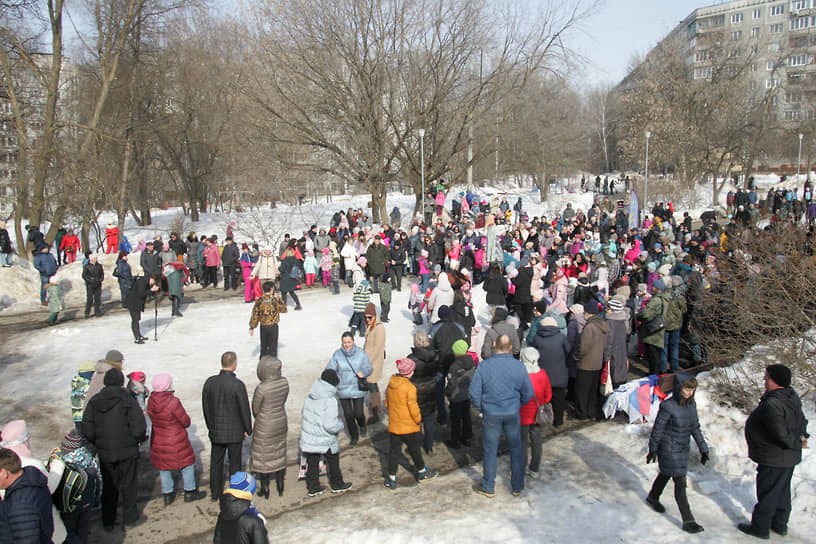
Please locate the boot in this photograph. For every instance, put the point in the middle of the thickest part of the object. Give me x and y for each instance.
(279, 480)
(194, 495)
(375, 415)
(169, 498)
(264, 492)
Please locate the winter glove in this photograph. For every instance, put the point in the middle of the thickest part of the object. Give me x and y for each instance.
(704, 458)
(651, 458)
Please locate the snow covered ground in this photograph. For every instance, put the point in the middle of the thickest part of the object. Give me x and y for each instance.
(592, 484)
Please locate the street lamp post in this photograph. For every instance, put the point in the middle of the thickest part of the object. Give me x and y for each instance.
(799, 160)
(646, 183)
(422, 160)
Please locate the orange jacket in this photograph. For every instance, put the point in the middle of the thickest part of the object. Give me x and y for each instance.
(401, 401)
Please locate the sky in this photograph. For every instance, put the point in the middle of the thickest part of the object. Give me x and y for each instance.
(620, 29)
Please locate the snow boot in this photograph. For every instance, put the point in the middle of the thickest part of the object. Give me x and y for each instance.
(692, 527)
(426, 474)
(390, 483)
(169, 498)
(194, 495)
(279, 480)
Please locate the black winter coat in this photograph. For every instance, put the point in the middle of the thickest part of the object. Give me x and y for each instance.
(463, 314)
(670, 435)
(150, 263)
(425, 379)
(114, 423)
(93, 274)
(5, 241)
(775, 428)
(496, 290)
(522, 283)
(288, 284)
(25, 512)
(230, 255)
(236, 526)
(553, 349)
(135, 299)
(226, 408)
(443, 338)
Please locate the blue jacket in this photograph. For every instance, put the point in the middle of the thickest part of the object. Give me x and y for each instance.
(25, 513)
(320, 419)
(500, 386)
(124, 245)
(347, 364)
(46, 264)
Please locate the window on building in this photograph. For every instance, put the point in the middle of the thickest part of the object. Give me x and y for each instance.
(736, 35)
(701, 56)
(772, 83)
(800, 41)
(718, 21)
(799, 23)
(754, 49)
(792, 97)
(800, 4)
(776, 28)
(755, 32)
(757, 13)
(736, 17)
(778, 9)
(753, 67)
(797, 60)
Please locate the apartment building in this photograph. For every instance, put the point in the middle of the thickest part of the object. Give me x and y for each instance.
(777, 39)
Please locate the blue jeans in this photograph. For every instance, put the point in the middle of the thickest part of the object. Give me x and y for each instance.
(43, 281)
(670, 351)
(187, 477)
(492, 429)
(5, 259)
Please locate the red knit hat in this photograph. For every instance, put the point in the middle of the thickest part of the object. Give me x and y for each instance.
(405, 366)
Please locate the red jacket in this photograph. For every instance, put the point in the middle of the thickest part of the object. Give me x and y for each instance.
(112, 234)
(170, 447)
(542, 392)
(72, 241)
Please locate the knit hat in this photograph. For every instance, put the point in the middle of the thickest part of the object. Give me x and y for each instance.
(652, 266)
(576, 309)
(444, 313)
(659, 284)
(641, 288)
(591, 307)
(541, 306)
(243, 481)
(244, 246)
(370, 309)
(778, 373)
(405, 366)
(616, 303)
(459, 347)
(548, 321)
(664, 270)
(499, 314)
(437, 268)
(114, 377)
(325, 251)
(362, 261)
(529, 356)
(72, 441)
(15, 437)
(137, 376)
(114, 356)
(330, 376)
(162, 382)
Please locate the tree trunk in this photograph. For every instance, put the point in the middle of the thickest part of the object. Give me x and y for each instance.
(378, 195)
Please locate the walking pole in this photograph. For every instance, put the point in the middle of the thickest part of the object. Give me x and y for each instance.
(156, 320)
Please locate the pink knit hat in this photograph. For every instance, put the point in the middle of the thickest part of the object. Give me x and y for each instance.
(15, 437)
(162, 382)
(405, 366)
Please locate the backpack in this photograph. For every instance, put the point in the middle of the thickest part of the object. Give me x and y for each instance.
(78, 489)
(294, 272)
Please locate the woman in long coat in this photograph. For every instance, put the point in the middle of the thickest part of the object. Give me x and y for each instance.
(268, 451)
(676, 422)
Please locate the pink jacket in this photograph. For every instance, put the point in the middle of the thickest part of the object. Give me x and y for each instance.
(212, 257)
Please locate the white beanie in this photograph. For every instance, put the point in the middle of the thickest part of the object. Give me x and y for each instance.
(529, 356)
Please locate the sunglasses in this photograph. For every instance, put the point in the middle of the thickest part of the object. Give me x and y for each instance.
(369, 317)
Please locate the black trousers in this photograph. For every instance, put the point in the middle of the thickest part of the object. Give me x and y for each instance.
(461, 427)
(76, 525)
(135, 316)
(396, 270)
(653, 357)
(269, 340)
(210, 276)
(313, 470)
(217, 465)
(587, 394)
(294, 297)
(119, 476)
(559, 403)
(679, 493)
(773, 507)
(411, 441)
(385, 307)
(355, 416)
(230, 277)
(93, 297)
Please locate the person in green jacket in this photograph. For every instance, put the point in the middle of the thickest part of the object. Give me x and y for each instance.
(55, 302)
(657, 306)
(385, 296)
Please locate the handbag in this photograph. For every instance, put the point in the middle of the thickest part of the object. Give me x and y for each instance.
(656, 324)
(362, 383)
(544, 413)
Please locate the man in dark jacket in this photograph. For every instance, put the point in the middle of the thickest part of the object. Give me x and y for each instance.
(149, 261)
(377, 256)
(46, 265)
(776, 432)
(226, 412)
(443, 334)
(115, 425)
(553, 349)
(93, 275)
(230, 257)
(135, 302)
(25, 512)
(397, 255)
(177, 244)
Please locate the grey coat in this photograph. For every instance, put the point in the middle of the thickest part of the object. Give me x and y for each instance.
(616, 344)
(670, 435)
(320, 420)
(268, 451)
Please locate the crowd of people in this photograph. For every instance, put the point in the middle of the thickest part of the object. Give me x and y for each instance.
(571, 299)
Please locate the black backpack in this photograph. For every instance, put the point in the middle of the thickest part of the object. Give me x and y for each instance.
(78, 489)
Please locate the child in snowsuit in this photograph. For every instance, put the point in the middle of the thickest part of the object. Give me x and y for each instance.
(361, 297)
(385, 296)
(459, 375)
(79, 386)
(404, 418)
(415, 303)
(55, 302)
(310, 267)
(136, 386)
(326, 266)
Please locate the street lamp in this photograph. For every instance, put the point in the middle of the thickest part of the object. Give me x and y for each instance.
(646, 184)
(799, 160)
(422, 160)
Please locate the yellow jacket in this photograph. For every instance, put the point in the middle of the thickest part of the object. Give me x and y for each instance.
(401, 401)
